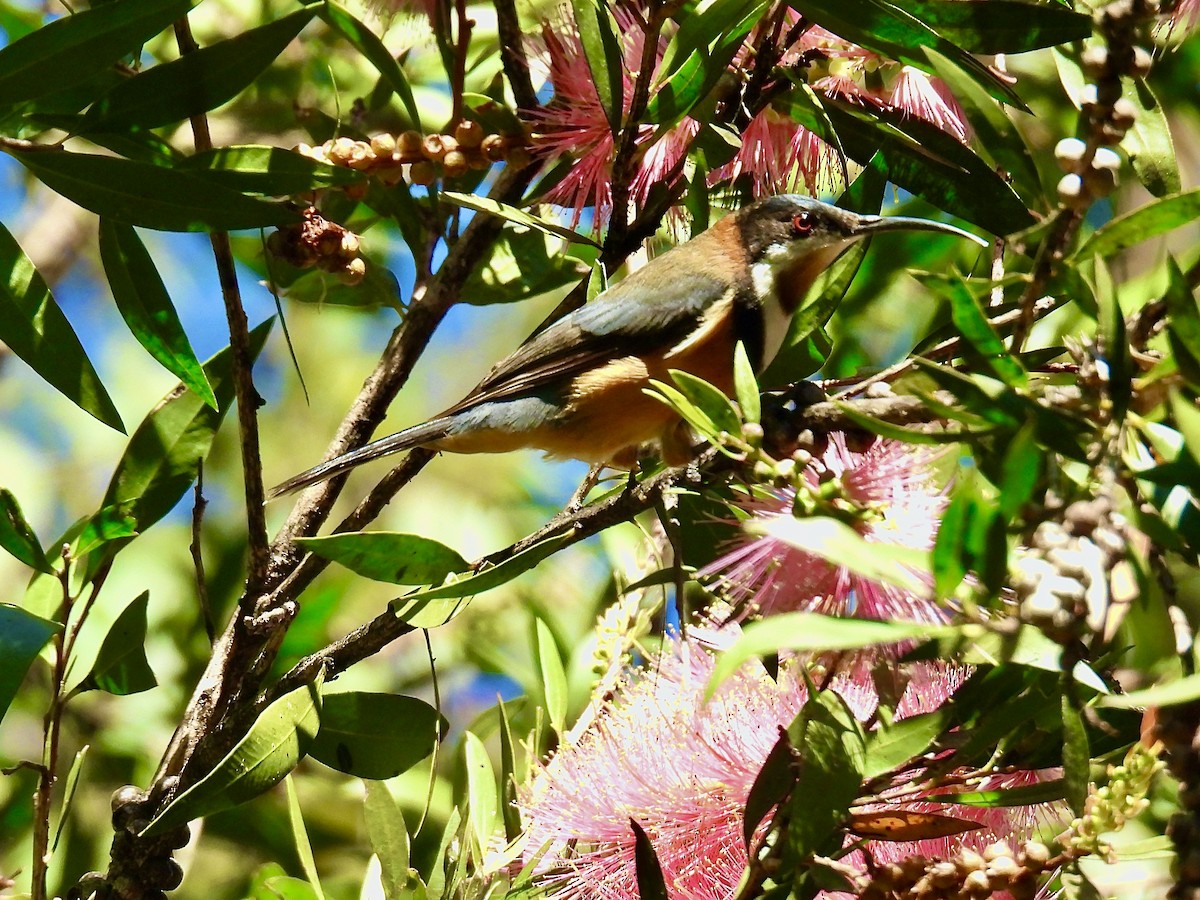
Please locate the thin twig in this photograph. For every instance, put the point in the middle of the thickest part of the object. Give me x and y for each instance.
(239, 343)
(512, 55)
(198, 506)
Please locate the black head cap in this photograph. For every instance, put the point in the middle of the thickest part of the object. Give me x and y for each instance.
(790, 223)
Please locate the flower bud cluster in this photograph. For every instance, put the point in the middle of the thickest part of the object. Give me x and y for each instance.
(1091, 168)
(419, 158)
(1108, 808)
(1062, 579)
(316, 241)
(969, 875)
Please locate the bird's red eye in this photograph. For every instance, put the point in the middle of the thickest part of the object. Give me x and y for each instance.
(802, 223)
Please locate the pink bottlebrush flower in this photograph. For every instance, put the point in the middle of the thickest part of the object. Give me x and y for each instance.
(780, 156)
(574, 124)
(658, 753)
(1185, 15)
(893, 484)
(928, 98)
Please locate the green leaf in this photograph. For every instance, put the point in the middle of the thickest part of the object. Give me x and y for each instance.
(276, 742)
(196, 82)
(388, 835)
(1001, 26)
(830, 776)
(1020, 470)
(144, 304)
(163, 455)
(895, 33)
(69, 789)
(372, 48)
(893, 744)
(746, 385)
(389, 556)
(516, 216)
(920, 157)
(995, 134)
(426, 609)
(17, 536)
(22, 636)
(771, 787)
(553, 675)
(1148, 142)
(35, 329)
(1183, 322)
(300, 837)
(273, 171)
(651, 884)
(1076, 755)
(699, 56)
(604, 57)
(375, 736)
(509, 809)
(524, 264)
(152, 196)
(1025, 795)
(1145, 222)
(974, 326)
(837, 542)
(709, 400)
(75, 47)
(1183, 690)
(482, 800)
(121, 667)
(811, 631)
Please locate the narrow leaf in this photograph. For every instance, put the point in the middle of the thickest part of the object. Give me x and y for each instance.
(1145, 222)
(650, 881)
(604, 57)
(1001, 26)
(1149, 143)
(35, 329)
(195, 82)
(121, 666)
(481, 792)
(69, 789)
(375, 736)
(22, 636)
(514, 215)
(553, 676)
(272, 171)
(274, 745)
(746, 385)
(1184, 690)
(17, 536)
(436, 606)
(771, 787)
(163, 455)
(72, 49)
(372, 48)
(1076, 755)
(903, 825)
(709, 400)
(389, 556)
(811, 631)
(144, 304)
(300, 837)
(388, 834)
(152, 196)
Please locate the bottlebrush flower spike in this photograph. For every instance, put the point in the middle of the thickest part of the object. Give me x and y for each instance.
(890, 480)
(574, 124)
(658, 753)
(929, 99)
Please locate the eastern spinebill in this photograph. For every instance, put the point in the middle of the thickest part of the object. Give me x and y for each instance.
(577, 389)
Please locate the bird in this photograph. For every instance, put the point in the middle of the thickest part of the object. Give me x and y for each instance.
(577, 389)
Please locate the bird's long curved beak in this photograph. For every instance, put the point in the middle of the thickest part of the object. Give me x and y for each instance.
(861, 226)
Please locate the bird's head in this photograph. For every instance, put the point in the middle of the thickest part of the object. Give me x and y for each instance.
(790, 239)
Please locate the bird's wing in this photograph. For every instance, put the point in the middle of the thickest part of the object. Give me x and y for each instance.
(634, 316)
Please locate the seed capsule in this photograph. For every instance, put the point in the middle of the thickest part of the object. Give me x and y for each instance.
(469, 134)
(354, 272)
(383, 145)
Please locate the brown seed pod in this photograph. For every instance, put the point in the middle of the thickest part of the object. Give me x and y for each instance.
(434, 147)
(454, 163)
(422, 173)
(493, 147)
(468, 134)
(383, 146)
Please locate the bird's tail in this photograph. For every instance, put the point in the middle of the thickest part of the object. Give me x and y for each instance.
(393, 443)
